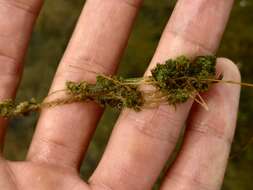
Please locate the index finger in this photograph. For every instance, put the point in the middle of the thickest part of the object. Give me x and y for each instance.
(16, 23)
(142, 142)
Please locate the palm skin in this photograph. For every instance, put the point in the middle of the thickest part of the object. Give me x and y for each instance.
(141, 143)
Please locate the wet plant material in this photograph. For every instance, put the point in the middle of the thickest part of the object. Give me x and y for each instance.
(173, 83)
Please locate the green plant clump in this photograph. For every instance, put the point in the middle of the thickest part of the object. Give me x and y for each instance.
(107, 92)
(172, 83)
(181, 79)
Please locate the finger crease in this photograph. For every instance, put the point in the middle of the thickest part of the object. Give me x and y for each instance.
(208, 129)
(202, 48)
(82, 67)
(160, 132)
(12, 175)
(189, 181)
(132, 3)
(95, 185)
(11, 65)
(57, 145)
(19, 5)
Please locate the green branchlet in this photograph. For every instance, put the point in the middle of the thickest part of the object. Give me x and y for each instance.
(9, 108)
(108, 91)
(6, 108)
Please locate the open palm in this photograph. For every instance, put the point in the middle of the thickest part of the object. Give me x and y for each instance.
(140, 143)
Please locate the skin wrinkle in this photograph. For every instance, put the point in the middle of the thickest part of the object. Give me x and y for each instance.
(95, 65)
(11, 174)
(98, 185)
(11, 35)
(15, 44)
(145, 126)
(209, 127)
(9, 66)
(63, 168)
(47, 176)
(6, 81)
(200, 148)
(21, 5)
(206, 13)
(7, 57)
(122, 179)
(132, 3)
(57, 144)
(203, 159)
(76, 186)
(184, 37)
(177, 40)
(190, 183)
(171, 139)
(51, 146)
(42, 160)
(88, 66)
(11, 50)
(208, 130)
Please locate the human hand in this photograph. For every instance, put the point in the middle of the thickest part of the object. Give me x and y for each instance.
(141, 142)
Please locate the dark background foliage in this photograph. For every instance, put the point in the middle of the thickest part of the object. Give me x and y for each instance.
(48, 44)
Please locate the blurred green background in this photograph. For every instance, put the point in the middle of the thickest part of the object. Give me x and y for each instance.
(49, 42)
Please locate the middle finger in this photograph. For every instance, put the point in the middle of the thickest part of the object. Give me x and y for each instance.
(63, 133)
